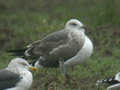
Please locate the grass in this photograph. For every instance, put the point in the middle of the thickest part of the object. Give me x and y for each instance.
(21, 24)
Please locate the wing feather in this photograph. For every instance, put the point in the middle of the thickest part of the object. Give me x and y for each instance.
(44, 46)
(8, 79)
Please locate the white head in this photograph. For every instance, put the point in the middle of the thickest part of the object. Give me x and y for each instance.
(117, 76)
(20, 63)
(74, 24)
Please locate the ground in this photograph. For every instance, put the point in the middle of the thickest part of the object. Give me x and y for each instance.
(21, 25)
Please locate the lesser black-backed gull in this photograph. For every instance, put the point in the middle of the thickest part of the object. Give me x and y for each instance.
(69, 46)
(113, 82)
(16, 76)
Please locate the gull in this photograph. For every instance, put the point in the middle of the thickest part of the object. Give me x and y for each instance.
(67, 47)
(113, 82)
(17, 75)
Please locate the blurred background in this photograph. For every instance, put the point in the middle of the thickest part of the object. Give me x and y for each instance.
(23, 21)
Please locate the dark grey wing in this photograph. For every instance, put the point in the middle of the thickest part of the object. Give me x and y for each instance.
(110, 81)
(62, 51)
(44, 46)
(56, 46)
(8, 79)
(69, 49)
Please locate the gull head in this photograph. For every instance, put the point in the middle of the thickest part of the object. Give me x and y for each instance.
(21, 63)
(75, 24)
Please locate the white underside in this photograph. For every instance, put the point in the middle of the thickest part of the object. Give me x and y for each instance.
(25, 83)
(114, 87)
(82, 55)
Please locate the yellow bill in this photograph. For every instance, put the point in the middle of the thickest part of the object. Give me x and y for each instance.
(33, 68)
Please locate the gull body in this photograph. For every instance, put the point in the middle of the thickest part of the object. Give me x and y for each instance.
(70, 46)
(16, 76)
(112, 82)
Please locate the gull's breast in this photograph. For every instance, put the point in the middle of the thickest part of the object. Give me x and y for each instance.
(84, 53)
(86, 50)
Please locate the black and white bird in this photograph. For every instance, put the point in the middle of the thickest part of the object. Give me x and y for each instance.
(17, 75)
(69, 46)
(113, 82)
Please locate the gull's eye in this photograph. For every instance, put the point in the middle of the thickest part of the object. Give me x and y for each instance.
(25, 64)
(73, 24)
